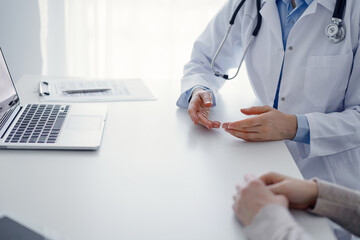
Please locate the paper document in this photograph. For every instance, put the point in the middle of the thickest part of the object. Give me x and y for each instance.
(80, 90)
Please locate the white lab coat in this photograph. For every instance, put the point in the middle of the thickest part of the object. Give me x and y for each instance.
(320, 79)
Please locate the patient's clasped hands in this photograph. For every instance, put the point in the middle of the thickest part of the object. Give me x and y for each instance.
(269, 189)
(269, 124)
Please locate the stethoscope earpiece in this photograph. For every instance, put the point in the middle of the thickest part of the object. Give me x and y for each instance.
(335, 31)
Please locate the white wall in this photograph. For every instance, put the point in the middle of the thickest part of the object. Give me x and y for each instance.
(144, 39)
(20, 36)
(102, 39)
(52, 34)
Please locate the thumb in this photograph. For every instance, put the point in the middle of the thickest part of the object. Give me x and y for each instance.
(272, 178)
(278, 188)
(256, 110)
(206, 98)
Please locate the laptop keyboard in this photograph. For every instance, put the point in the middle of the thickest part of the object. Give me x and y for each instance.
(6, 117)
(39, 123)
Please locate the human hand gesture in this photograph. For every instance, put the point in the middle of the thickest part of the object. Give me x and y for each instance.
(252, 197)
(269, 125)
(301, 194)
(199, 109)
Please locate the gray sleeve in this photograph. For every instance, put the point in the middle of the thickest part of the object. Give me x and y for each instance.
(274, 222)
(340, 204)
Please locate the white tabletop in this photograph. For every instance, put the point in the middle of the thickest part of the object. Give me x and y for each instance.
(155, 177)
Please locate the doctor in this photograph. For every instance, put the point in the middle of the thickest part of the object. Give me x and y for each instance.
(307, 78)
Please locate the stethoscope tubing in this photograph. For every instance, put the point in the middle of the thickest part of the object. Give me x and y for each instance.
(337, 19)
(231, 23)
(225, 76)
(217, 73)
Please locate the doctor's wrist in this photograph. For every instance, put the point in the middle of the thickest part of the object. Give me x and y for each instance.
(197, 89)
(290, 127)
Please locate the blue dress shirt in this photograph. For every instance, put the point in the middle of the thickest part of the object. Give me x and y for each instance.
(288, 17)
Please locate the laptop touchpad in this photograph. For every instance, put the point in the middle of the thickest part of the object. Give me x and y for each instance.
(84, 123)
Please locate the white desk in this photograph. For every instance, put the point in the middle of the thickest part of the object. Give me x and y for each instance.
(155, 177)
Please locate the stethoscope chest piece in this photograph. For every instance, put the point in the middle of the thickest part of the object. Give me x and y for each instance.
(335, 31)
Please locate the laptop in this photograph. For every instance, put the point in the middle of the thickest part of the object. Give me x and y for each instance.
(47, 126)
(12, 230)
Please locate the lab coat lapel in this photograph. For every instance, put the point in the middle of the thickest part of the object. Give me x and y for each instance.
(329, 4)
(311, 9)
(270, 15)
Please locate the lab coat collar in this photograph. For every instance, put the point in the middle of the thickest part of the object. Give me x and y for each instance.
(329, 4)
(311, 9)
(268, 8)
(269, 13)
(306, 1)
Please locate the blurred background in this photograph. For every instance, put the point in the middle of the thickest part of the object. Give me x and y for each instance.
(102, 38)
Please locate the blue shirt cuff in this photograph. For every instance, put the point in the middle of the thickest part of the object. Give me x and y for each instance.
(303, 131)
(185, 98)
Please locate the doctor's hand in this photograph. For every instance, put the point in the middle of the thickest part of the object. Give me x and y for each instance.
(252, 197)
(269, 125)
(301, 194)
(199, 108)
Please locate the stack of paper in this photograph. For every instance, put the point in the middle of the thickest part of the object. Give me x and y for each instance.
(80, 90)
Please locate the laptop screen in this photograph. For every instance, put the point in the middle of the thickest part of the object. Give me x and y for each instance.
(8, 95)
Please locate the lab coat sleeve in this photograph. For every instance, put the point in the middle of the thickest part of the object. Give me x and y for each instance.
(185, 98)
(336, 132)
(198, 71)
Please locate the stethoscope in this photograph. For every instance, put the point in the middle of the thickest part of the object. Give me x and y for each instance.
(335, 31)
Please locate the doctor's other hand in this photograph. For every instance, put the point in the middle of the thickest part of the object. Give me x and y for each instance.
(252, 197)
(269, 125)
(199, 108)
(302, 194)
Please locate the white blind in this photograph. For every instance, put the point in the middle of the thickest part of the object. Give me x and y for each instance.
(130, 38)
